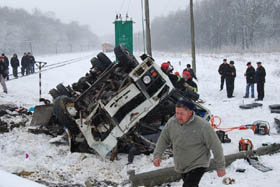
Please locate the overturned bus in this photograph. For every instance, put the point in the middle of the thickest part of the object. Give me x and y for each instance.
(123, 101)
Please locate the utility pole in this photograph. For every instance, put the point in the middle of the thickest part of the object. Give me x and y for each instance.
(143, 27)
(192, 37)
(30, 45)
(148, 31)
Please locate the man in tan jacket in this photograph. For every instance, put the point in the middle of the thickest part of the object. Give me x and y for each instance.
(191, 138)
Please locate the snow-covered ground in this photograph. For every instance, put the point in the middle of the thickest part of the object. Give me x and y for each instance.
(9, 180)
(56, 164)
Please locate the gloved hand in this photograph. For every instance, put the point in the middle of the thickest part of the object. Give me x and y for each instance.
(157, 162)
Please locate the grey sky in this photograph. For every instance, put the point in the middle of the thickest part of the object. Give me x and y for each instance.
(98, 14)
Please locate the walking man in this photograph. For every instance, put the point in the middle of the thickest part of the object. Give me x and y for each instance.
(260, 80)
(250, 79)
(191, 138)
(230, 76)
(222, 71)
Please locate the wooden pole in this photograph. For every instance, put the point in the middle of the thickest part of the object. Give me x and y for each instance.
(166, 175)
(143, 27)
(148, 31)
(192, 37)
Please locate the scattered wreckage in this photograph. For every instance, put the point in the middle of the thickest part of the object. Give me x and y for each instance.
(12, 116)
(117, 106)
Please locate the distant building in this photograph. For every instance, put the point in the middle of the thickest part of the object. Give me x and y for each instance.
(107, 47)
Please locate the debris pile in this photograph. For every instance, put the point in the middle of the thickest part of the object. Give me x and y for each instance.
(12, 116)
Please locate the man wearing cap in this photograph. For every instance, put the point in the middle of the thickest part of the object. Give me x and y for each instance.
(191, 138)
(222, 71)
(260, 80)
(250, 79)
(230, 76)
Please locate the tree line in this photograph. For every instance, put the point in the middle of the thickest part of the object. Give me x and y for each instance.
(39, 32)
(252, 25)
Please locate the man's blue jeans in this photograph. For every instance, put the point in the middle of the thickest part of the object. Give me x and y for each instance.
(252, 90)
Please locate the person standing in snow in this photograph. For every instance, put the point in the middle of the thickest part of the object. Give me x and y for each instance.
(31, 62)
(15, 65)
(192, 139)
(222, 71)
(24, 63)
(250, 79)
(3, 69)
(6, 60)
(260, 80)
(230, 76)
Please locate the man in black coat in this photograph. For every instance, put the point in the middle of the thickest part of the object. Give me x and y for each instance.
(222, 71)
(15, 65)
(230, 76)
(260, 80)
(24, 64)
(3, 69)
(6, 60)
(31, 62)
(250, 79)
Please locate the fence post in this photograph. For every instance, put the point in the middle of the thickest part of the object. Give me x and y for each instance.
(40, 65)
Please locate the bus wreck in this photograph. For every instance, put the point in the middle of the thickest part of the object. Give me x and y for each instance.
(118, 104)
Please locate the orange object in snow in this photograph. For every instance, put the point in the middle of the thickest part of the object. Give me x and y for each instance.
(245, 145)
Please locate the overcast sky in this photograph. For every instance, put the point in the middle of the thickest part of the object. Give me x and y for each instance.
(98, 14)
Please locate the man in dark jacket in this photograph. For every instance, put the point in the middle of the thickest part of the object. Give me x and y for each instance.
(222, 71)
(3, 69)
(31, 62)
(6, 60)
(250, 79)
(15, 65)
(260, 80)
(24, 64)
(230, 76)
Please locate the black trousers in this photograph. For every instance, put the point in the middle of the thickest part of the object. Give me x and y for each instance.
(230, 86)
(15, 72)
(260, 89)
(192, 178)
(222, 81)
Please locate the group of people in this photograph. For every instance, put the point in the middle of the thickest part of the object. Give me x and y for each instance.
(27, 67)
(192, 158)
(228, 73)
(27, 64)
(181, 82)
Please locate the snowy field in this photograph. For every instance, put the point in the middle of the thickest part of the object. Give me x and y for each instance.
(57, 165)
